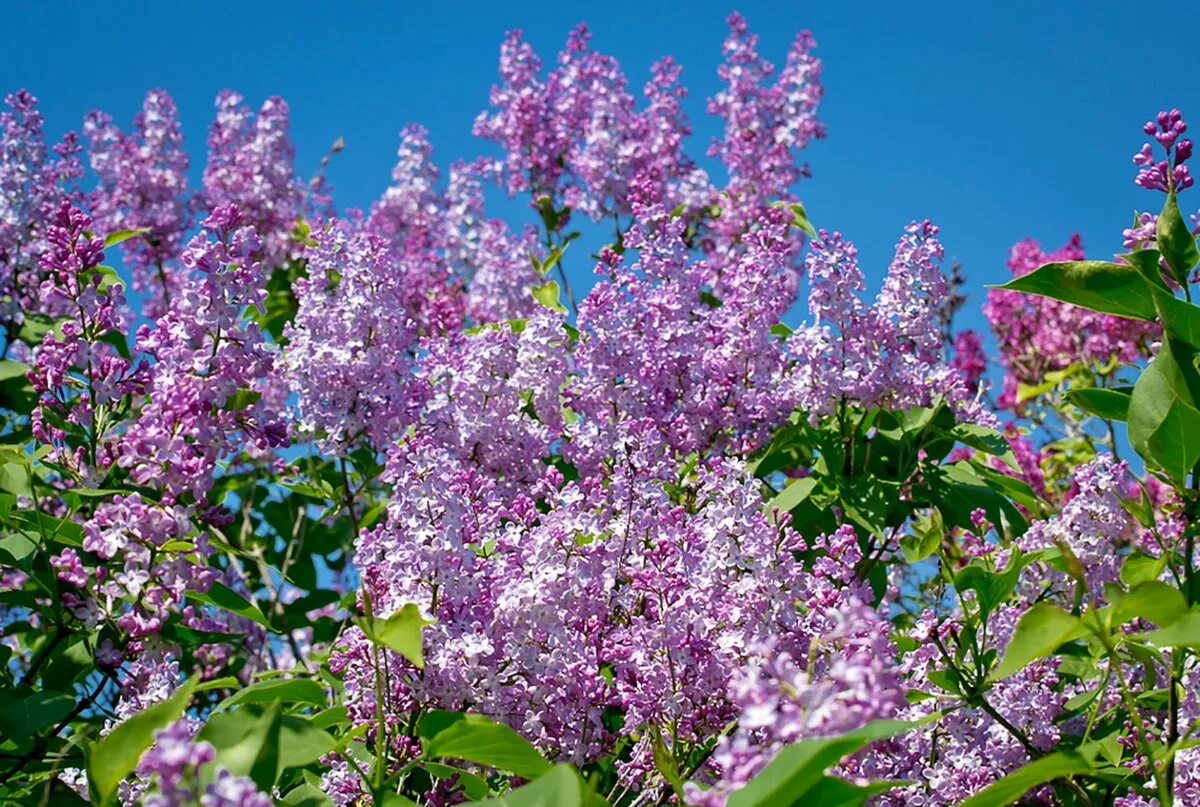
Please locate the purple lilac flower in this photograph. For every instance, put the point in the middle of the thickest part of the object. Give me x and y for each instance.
(143, 185)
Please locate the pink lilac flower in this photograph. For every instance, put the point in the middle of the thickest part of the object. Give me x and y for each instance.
(205, 355)
(34, 182)
(603, 574)
(767, 117)
(78, 373)
(886, 354)
(576, 137)
(1037, 335)
(151, 582)
(1171, 173)
(250, 166)
(353, 340)
(970, 360)
(1092, 524)
(143, 185)
(655, 344)
(835, 675)
(966, 749)
(174, 763)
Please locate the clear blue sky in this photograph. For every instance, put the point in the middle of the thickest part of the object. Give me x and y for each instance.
(996, 120)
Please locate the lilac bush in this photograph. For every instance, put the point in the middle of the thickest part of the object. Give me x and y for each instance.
(371, 507)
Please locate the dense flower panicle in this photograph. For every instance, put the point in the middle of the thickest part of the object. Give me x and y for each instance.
(1092, 524)
(78, 373)
(768, 117)
(1037, 335)
(602, 575)
(34, 181)
(410, 208)
(1170, 174)
(351, 345)
(885, 354)
(174, 763)
(656, 344)
(576, 136)
(494, 396)
(152, 582)
(250, 165)
(849, 681)
(208, 364)
(143, 185)
(970, 359)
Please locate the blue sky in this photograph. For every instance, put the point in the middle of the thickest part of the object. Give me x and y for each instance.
(996, 120)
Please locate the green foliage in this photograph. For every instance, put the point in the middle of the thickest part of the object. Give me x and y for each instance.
(114, 756)
(793, 775)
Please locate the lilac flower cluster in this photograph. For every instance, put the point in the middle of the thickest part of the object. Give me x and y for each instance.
(33, 185)
(1092, 525)
(1037, 335)
(250, 166)
(765, 123)
(1170, 174)
(143, 185)
(175, 762)
(568, 598)
(81, 378)
(576, 136)
(655, 344)
(204, 394)
(885, 354)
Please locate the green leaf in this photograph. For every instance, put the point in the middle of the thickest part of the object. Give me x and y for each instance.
(798, 769)
(225, 598)
(476, 787)
(306, 795)
(402, 632)
(800, 219)
(1009, 789)
(1183, 632)
(1138, 568)
(834, 792)
(793, 495)
(981, 438)
(10, 369)
(475, 738)
(246, 741)
(1152, 601)
(547, 296)
(112, 239)
(1180, 318)
(560, 786)
(1110, 288)
(23, 713)
(1176, 242)
(992, 587)
(927, 535)
(1164, 412)
(1041, 630)
(1107, 404)
(114, 756)
(301, 743)
(262, 742)
(286, 690)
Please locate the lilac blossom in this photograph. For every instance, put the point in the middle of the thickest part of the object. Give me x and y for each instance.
(205, 355)
(1037, 335)
(250, 166)
(143, 185)
(34, 182)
